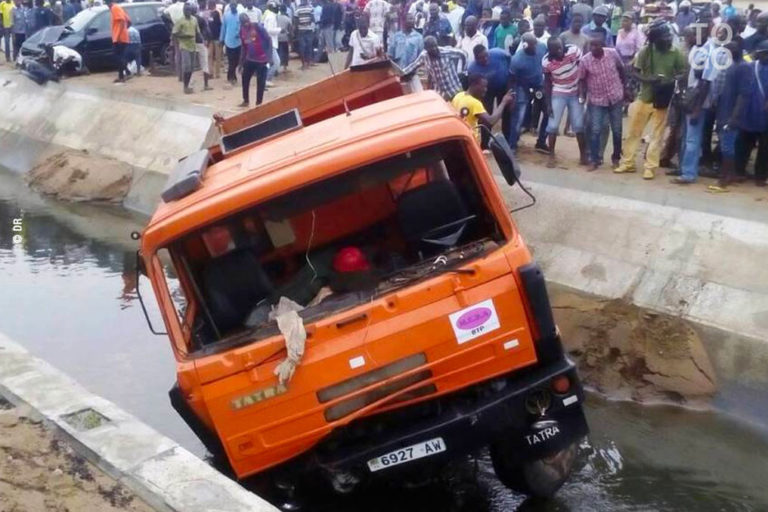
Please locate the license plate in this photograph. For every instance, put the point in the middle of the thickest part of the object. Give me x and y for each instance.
(407, 454)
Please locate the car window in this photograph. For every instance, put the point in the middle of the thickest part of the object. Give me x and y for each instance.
(142, 14)
(101, 23)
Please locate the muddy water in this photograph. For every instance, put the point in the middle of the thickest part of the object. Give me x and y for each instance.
(68, 295)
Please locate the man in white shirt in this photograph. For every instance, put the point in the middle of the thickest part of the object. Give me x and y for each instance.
(471, 38)
(455, 17)
(377, 11)
(253, 12)
(269, 19)
(364, 45)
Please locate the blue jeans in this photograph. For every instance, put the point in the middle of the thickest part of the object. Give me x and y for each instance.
(689, 168)
(306, 43)
(728, 142)
(133, 52)
(522, 98)
(275, 64)
(575, 112)
(598, 116)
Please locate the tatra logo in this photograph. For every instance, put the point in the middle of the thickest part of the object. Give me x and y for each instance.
(542, 435)
(258, 395)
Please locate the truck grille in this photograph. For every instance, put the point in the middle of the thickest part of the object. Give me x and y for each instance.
(346, 407)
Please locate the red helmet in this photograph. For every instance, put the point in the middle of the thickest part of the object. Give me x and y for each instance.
(350, 259)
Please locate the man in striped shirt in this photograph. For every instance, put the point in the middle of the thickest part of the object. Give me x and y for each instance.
(440, 64)
(561, 86)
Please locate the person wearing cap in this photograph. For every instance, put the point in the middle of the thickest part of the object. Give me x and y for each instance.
(657, 66)
(629, 40)
(750, 115)
(684, 15)
(598, 27)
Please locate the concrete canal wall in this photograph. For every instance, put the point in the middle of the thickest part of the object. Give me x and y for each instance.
(157, 469)
(149, 134)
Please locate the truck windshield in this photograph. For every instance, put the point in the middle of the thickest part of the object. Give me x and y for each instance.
(334, 244)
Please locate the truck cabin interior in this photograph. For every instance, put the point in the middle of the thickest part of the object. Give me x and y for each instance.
(332, 245)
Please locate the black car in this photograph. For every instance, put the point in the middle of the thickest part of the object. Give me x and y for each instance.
(89, 33)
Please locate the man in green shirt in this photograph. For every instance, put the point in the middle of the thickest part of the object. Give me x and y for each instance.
(505, 31)
(657, 66)
(185, 33)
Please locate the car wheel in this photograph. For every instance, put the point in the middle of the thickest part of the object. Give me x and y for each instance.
(164, 55)
(540, 477)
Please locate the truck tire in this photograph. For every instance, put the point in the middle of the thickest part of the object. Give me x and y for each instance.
(540, 477)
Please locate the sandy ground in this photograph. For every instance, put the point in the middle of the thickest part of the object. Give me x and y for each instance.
(40, 473)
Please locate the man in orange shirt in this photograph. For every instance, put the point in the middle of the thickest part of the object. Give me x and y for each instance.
(120, 37)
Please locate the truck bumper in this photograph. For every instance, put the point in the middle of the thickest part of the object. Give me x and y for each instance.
(498, 409)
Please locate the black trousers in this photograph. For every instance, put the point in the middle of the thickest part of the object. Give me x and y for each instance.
(119, 51)
(744, 145)
(260, 70)
(492, 98)
(233, 58)
(18, 40)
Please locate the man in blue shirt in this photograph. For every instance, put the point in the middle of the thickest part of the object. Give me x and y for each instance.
(492, 64)
(406, 44)
(526, 77)
(438, 27)
(750, 115)
(230, 36)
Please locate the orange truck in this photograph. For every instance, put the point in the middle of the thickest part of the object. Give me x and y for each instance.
(425, 331)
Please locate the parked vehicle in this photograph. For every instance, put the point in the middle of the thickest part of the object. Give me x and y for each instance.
(89, 33)
(429, 332)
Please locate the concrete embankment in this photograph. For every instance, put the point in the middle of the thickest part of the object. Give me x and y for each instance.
(157, 469)
(664, 248)
(148, 134)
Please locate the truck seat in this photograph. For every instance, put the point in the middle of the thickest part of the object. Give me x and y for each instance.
(423, 209)
(233, 284)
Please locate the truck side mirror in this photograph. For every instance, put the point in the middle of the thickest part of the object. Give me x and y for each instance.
(505, 159)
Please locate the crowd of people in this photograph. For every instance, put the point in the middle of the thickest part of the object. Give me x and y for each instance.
(681, 73)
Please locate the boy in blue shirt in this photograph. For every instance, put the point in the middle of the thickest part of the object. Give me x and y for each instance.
(492, 64)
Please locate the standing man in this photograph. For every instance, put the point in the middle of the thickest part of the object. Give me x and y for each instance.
(256, 47)
(20, 16)
(561, 90)
(472, 110)
(472, 37)
(6, 26)
(438, 27)
(598, 27)
(440, 64)
(328, 26)
(284, 38)
(71, 8)
(657, 66)
(253, 12)
(456, 15)
(582, 9)
(377, 11)
(201, 45)
(213, 18)
(525, 74)
(305, 29)
(602, 85)
(365, 45)
(493, 65)
(120, 37)
(728, 11)
(269, 22)
(760, 35)
(230, 38)
(185, 32)
(42, 16)
(684, 16)
(540, 29)
(573, 35)
(133, 50)
(407, 44)
(505, 31)
(750, 115)
(727, 125)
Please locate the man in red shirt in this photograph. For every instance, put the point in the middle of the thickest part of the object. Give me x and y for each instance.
(120, 37)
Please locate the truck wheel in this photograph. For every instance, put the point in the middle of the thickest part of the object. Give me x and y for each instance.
(540, 477)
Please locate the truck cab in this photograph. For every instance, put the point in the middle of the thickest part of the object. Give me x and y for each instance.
(426, 325)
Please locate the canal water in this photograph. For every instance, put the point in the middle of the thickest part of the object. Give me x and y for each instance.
(68, 295)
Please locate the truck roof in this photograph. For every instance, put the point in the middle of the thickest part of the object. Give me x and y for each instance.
(309, 154)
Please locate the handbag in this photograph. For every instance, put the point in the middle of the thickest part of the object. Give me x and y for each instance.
(662, 92)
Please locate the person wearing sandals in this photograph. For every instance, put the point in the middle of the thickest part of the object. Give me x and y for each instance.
(657, 67)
